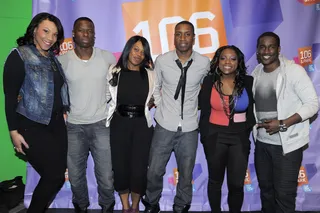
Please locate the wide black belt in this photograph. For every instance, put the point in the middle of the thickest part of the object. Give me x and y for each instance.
(130, 111)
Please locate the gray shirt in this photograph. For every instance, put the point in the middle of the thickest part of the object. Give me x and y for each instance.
(266, 104)
(87, 85)
(168, 111)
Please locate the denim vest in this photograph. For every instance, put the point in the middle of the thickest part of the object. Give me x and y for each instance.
(36, 95)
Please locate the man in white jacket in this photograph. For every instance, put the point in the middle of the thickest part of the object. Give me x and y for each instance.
(285, 99)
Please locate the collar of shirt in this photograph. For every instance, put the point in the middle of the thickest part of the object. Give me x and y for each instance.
(175, 57)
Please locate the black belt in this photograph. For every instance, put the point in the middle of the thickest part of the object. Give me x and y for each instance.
(131, 111)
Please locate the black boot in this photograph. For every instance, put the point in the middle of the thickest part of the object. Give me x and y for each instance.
(179, 209)
(78, 209)
(108, 210)
(150, 208)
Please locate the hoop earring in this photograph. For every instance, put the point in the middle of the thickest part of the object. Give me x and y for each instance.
(217, 71)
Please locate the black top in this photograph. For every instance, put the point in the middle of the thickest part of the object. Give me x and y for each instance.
(204, 102)
(13, 77)
(133, 88)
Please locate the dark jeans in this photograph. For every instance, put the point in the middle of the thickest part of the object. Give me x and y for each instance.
(227, 151)
(47, 154)
(130, 140)
(277, 176)
(184, 145)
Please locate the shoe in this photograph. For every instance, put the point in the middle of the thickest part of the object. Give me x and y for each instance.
(179, 209)
(78, 209)
(152, 209)
(108, 210)
(126, 210)
(135, 210)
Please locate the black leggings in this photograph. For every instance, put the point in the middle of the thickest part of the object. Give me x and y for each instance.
(130, 140)
(47, 154)
(227, 151)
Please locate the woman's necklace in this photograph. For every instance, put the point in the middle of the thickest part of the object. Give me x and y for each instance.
(228, 104)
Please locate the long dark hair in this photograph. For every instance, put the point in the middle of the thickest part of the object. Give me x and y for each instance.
(123, 60)
(241, 69)
(28, 37)
(147, 61)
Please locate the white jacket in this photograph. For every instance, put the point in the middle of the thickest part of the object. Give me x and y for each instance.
(295, 94)
(114, 92)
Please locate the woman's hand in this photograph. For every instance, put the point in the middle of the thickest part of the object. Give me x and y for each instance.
(18, 141)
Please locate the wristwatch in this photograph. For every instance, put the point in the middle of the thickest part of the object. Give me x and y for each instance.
(282, 126)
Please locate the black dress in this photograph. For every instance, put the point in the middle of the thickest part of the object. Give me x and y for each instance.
(130, 138)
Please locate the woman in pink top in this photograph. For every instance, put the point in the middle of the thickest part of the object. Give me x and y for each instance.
(226, 103)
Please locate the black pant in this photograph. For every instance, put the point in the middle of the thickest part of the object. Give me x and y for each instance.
(277, 176)
(130, 140)
(47, 154)
(227, 151)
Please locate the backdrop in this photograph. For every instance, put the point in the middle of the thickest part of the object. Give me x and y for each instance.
(237, 22)
(15, 16)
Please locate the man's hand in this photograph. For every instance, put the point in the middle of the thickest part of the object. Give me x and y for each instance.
(271, 126)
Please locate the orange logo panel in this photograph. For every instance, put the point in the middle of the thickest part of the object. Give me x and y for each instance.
(155, 20)
(302, 178)
(305, 56)
(310, 2)
(176, 176)
(66, 45)
(247, 179)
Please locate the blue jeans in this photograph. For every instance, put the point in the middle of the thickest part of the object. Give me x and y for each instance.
(83, 138)
(184, 145)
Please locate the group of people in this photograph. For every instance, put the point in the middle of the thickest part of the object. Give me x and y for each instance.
(108, 115)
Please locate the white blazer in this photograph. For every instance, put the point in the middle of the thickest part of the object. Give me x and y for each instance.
(113, 92)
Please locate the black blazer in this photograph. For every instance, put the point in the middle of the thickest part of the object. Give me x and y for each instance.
(204, 103)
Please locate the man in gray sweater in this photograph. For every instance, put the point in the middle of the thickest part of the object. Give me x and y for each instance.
(86, 69)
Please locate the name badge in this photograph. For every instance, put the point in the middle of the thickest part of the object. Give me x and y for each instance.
(239, 117)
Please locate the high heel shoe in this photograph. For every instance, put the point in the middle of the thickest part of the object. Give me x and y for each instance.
(135, 210)
(126, 210)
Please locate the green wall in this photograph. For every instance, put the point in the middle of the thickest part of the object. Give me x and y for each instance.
(15, 16)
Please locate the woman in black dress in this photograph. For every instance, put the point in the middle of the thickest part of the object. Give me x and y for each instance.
(132, 82)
